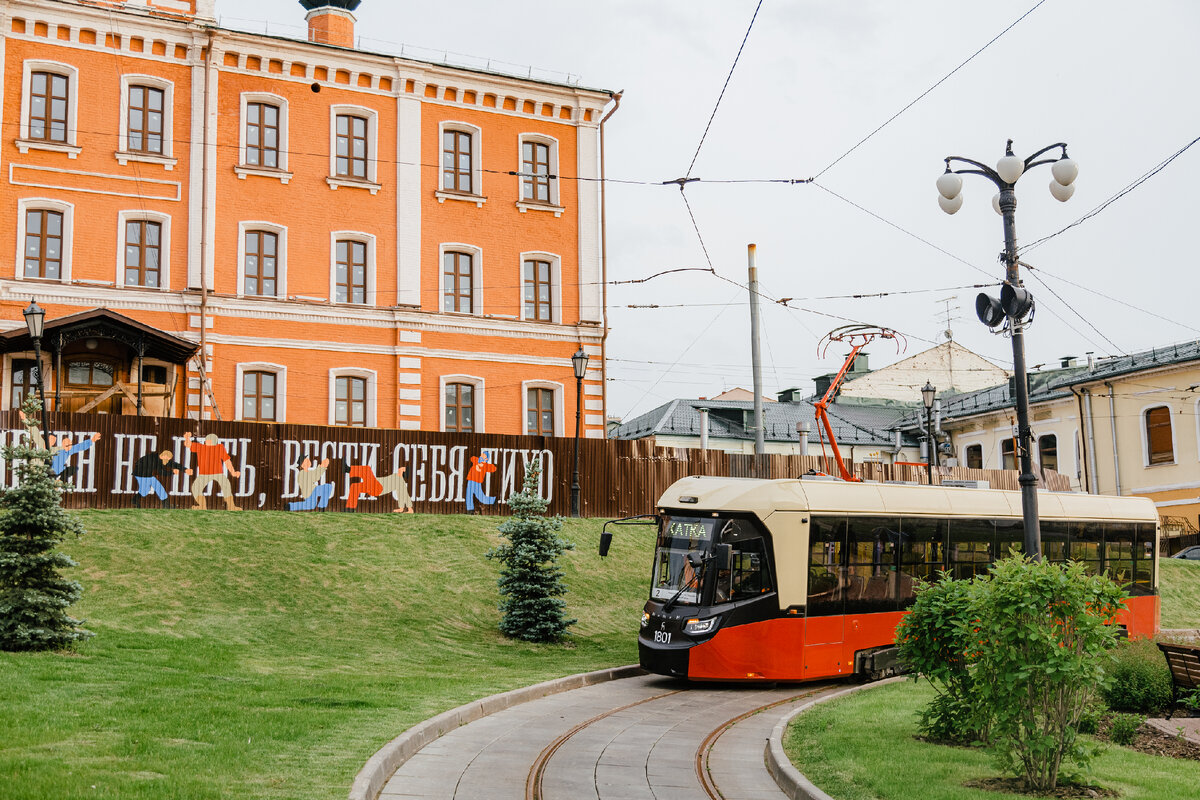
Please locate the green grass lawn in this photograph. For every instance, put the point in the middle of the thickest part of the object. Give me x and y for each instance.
(861, 747)
(268, 655)
(1179, 588)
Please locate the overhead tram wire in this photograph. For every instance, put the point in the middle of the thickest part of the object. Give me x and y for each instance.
(923, 94)
(1076, 312)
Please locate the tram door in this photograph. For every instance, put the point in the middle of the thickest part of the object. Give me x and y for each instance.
(824, 626)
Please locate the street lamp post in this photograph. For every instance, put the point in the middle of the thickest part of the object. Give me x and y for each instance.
(1015, 302)
(579, 363)
(35, 319)
(928, 392)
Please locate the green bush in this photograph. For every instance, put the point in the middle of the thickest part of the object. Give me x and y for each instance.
(1141, 681)
(1125, 727)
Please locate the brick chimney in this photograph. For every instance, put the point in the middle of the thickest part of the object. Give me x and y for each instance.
(331, 21)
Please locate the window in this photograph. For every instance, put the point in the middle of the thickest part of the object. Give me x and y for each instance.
(350, 401)
(90, 373)
(540, 412)
(457, 162)
(1048, 451)
(154, 373)
(261, 263)
(145, 120)
(459, 408)
(262, 135)
(537, 290)
(350, 271)
(43, 244)
(49, 107)
(143, 253)
(24, 381)
(1160, 447)
(535, 171)
(458, 272)
(973, 456)
(1008, 449)
(49, 99)
(352, 147)
(258, 396)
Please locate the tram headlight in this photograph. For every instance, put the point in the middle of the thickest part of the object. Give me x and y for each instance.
(645, 618)
(699, 627)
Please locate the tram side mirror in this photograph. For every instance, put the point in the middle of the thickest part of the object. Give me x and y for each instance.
(605, 542)
(723, 553)
(695, 558)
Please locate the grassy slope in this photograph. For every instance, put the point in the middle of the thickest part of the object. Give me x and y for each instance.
(1179, 587)
(269, 655)
(837, 746)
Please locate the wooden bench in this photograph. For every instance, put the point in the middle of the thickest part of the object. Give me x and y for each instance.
(1184, 662)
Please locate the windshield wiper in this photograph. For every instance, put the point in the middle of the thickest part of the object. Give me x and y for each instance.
(696, 560)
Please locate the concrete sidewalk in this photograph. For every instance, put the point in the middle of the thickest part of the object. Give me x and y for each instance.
(1178, 724)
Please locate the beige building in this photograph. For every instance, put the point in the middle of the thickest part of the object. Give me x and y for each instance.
(1127, 426)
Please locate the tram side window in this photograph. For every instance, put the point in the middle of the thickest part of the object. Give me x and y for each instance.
(971, 542)
(871, 558)
(1010, 534)
(826, 573)
(1084, 545)
(1143, 566)
(1119, 553)
(750, 575)
(922, 555)
(1054, 540)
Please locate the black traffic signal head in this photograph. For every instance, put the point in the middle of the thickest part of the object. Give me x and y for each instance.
(1015, 301)
(988, 309)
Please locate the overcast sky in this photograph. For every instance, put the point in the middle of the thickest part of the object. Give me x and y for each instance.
(1114, 80)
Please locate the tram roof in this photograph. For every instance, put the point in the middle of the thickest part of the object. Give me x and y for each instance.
(763, 497)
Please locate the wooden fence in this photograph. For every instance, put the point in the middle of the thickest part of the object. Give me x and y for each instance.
(106, 460)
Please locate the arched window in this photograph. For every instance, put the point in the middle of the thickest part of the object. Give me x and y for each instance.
(1160, 447)
(459, 408)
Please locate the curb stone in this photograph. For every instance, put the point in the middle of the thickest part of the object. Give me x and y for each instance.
(791, 781)
(380, 767)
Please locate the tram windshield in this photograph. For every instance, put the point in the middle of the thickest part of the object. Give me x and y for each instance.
(674, 572)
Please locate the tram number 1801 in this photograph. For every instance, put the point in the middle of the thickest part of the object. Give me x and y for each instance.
(662, 637)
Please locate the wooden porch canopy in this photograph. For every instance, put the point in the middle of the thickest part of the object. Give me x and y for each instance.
(142, 340)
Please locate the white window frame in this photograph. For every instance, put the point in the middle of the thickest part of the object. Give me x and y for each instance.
(26, 204)
(1037, 441)
(356, 236)
(559, 400)
(1146, 440)
(1000, 453)
(164, 265)
(336, 181)
(354, 372)
(124, 154)
(982, 452)
(281, 172)
(476, 196)
(555, 284)
(524, 203)
(280, 372)
(476, 277)
(281, 233)
(24, 143)
(477, 386)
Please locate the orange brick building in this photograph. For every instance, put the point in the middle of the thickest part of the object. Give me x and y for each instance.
(349, 238)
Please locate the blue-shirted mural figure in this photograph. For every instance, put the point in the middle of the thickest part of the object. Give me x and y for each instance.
(481, 466)
(213, 462)
(61, 453)
(316, 494)
(150, 471)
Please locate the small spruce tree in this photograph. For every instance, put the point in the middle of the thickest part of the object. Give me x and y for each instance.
(531, 585)
(34, 597)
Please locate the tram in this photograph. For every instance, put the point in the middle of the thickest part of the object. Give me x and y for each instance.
(790, 580)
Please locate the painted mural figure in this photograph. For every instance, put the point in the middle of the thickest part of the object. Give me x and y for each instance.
(480, 467)
(315, 493)
(364, 482)
(150, 471)
(61, 453)
(212, 463)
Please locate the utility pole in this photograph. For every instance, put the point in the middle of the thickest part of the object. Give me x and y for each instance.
(760, 445)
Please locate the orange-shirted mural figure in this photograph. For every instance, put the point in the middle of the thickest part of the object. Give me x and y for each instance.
(213, 462)
(480, 467)
(363, 481)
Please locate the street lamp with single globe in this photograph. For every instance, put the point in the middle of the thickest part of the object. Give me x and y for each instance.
(928, 392)
(35, 320)
(1015, 302)
(579, 363)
